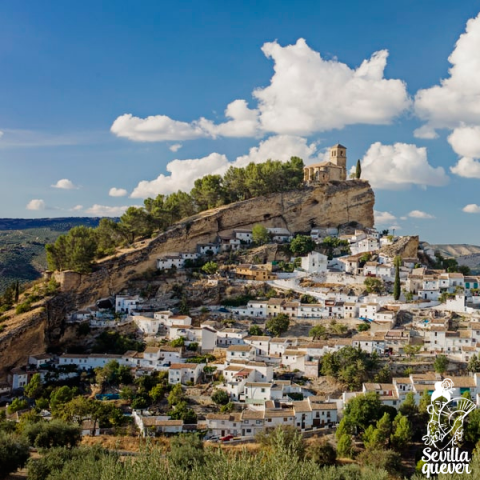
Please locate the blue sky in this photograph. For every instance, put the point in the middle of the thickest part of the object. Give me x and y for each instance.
(79, 82)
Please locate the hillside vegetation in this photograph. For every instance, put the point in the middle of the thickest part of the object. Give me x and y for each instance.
(22, 245)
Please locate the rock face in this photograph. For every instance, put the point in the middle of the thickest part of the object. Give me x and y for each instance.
(299, 210)
(405, 247)
(329, 205)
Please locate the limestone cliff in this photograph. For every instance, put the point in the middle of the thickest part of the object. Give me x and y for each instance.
(333, 204)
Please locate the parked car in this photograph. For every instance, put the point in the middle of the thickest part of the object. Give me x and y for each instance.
(226, 438)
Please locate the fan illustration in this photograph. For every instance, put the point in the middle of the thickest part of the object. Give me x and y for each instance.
(447, 414)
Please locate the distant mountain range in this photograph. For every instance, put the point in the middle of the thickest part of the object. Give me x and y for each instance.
(464, 254)
(22, 245)
(62, 224)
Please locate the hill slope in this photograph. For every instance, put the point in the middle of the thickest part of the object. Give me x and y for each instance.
(333, 204)
(22, 245)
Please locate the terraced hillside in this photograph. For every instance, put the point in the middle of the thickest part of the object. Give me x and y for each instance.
(22, 245)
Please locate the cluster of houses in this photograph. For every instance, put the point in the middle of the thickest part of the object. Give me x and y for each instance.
(249, 366)
(462, 291)
(311, 413)
(266, 411)
(337, 307)
(227, 242)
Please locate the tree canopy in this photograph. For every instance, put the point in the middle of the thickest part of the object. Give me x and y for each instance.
(260, 234)
(302, 245)
(278, 324)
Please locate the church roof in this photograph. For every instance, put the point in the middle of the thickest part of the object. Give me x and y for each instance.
(325, 163)
(339, 145)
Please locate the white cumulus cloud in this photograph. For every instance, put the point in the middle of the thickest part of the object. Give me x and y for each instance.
(279, 147)
(36, 204)
(243, 123)
(467, 167)
(77, 208)
(106, 211)
(456, 101)
(183, 174)
(155, 128)
(466, 140)
(306, 94)
(454, 104)
(382, 218)
(420, 214)
(65, 184)
(400, 166)
(175, 147)
(471, 208)
(117, 192)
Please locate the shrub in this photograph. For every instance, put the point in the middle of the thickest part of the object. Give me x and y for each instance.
(220, 397)
(56, 433)
(382, 459)
(23, 307)
(322, 453)
(186, 452)
(283, 437)
(14, 453)
(60, 463)
(178, 342)
(345, 446)
(17, 405)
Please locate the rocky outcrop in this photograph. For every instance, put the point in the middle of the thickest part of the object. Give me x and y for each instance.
(333, 204)
(405, 247)
(298, 210)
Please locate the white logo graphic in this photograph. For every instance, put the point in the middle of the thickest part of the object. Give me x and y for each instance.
(445, 429)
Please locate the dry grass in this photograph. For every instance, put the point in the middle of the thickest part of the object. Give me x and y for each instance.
(251, 448)
(129, 444)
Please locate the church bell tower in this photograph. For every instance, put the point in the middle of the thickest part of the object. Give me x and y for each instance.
(338, 156)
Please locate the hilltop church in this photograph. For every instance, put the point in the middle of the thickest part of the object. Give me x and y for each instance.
(333, 169)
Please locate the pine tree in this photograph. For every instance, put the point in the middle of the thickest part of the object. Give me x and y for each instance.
(403, 432)
(345, 446)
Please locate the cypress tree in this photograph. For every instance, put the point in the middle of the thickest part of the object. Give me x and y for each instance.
(358, 170)
(17, 291)
(396, 285)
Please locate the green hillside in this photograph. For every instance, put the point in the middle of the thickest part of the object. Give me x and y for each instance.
(22, 245)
